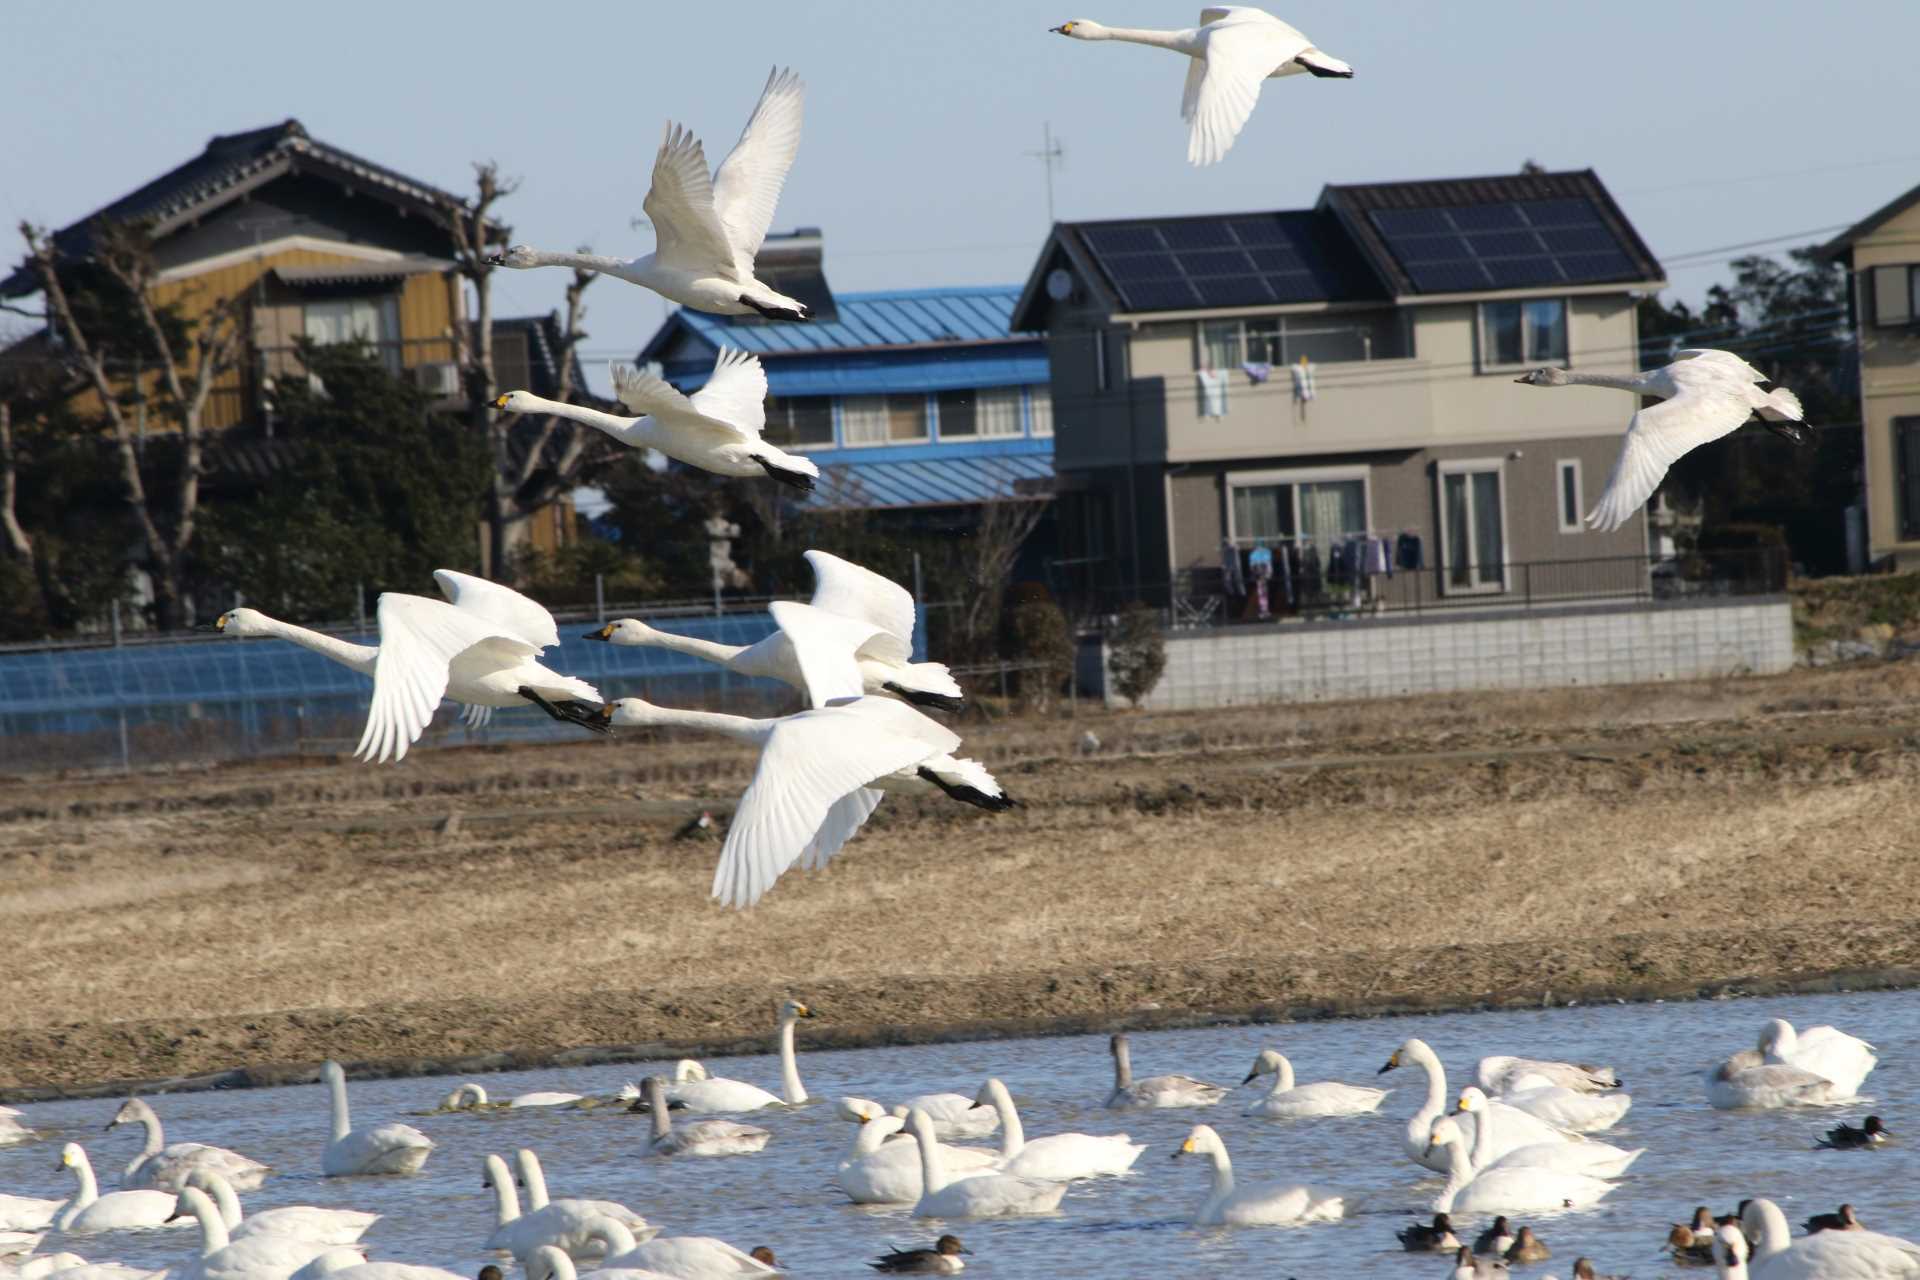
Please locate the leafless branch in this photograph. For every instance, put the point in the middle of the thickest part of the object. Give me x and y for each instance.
(17, 539)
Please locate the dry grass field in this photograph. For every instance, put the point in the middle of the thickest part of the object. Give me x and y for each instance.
(534, 898)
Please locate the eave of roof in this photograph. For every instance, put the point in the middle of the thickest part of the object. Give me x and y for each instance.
(1842, 245)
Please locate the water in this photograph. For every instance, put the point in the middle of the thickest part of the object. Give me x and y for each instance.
(785, 1197)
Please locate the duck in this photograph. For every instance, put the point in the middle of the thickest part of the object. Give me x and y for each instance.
(1686, 1251)
(563, 1224)
(1233, 50)
(1229, 1205)
(1583, 1269)
(981, 1195)
(690, 1257)
(1704, 394)
(1468, 1267)
(309, 1222)
(1527, 1247)
(1520, 1129)
(265, 1256)
(1288, 1101)
(1497, 1238)
(1776, 1255)
(943, 1259)
(1058, 1157)
(699, 1137)
(820, 776)
(874, 614)
(477, 647)
(397, 1149)
(166, 1168)
(1841, 1219)
(1844, 1137)
(1154, 1092)
(1511, 1190)
(1596, 1159)
(1421, 1238)
(708, 229)
(716, 429)
(88, 1211)
(1496, 1073)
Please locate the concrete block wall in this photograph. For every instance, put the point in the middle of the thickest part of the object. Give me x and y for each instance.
(1375, 658)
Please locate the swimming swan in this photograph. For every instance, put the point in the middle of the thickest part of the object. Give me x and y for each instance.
(258, 1257)
(884, 652)
(88, 1211)
(345, 1264)
(548, 1263)
(1829, 1053)
(1525, 1189)
(1058, 1156)
(698, 1137)
(820, 776)
(478, 647)
(716, 429)
(1129, 1094)
(165, 1168)
(473, 1097)
(563, 1224)
(308, 1222)
(1565, 1108)
(1519, 1130)
(980, 1195)
(954, 1115)
(1286, 1100)
(877, 1171)
(1232, 1206)
(1595, 1159)
(1704, 394)
(694, 1089)
(690, 1257)
(1777, 1255)
(708, 229)
(388, 1149)
(1233, 50)
(569, 1215)
(1496, 1074)
(27, 1213)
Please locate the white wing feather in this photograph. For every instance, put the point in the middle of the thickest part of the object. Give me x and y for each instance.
(849, 813)
(1243, 47)
(513, 613)
(1657, 436)
(680, 205)
(477, 715)
(824, 644)
(845, 588)
(736, 393)
(650, 395)
(747, 187)
(419, 640)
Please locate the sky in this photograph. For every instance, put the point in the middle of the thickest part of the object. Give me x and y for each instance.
(1714, 122)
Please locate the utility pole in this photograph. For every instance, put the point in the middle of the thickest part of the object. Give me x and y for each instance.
(1050, 154)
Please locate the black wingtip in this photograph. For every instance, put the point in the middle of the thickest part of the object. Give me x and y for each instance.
(921, 698)
(792, 479)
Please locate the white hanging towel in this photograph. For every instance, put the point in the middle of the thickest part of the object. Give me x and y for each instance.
(1302, 372)
(1213, 393)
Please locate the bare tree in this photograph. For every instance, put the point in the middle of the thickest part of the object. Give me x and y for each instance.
(1005, 524)
(19, 545)
(185, 381)
(561, 451)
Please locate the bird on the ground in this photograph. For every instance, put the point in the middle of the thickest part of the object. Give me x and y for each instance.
(698, 827)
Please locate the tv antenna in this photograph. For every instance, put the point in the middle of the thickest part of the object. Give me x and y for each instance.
(1050, 155)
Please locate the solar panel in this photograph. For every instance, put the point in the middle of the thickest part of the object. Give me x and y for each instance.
(1205, 233)
(1520, 273)
(1597, 266)
(1123, 239)
(1276, 259)
(1505, 244)
(1159, 295)
(1410, 222)
(1237, 291)
(1579, 240)
(1258, 230)
(1561, 213)
(1412, 249)
(1448, 277)
(1218, 262)
(1143, 266)
(1487, 217)
(1296, 286)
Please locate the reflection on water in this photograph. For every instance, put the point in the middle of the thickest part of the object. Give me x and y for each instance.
(786, 1196)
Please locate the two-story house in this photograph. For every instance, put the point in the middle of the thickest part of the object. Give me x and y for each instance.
(1882, 252)
(1313, 377)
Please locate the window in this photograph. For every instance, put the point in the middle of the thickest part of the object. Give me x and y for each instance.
(1227, 344)
(1567, 491)
(1321, 505)
(1473, 526)
(1040, 409)
(987, 411)
(799, 422)
(1324, 339)
(1517, 333)
(1906, 471)
(370, 320)
(1896, 296)
(870, 420)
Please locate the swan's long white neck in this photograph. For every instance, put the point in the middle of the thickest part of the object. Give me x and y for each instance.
(1186, 41)
(213, 1231)
(225, 1198)
(534, 1177)
(506, 1201)
(466, 1093)
(933, 1168)
(89, 1189)
(657, 1108)
(623, 267)
(873, 1135)
(1482, 1135)
(342, 1120)
(1282, 1078)
(694, 646)
(744, 728)
(790, 1087)
(358, 657)
(1620, 382)
(633, 431)
(1122, 1065)
(613, 1234)
(1775, 1234)
(156, 1137)
(1013, 1134)
(558, 1265)
(1459, 1174)
(1222, 1171)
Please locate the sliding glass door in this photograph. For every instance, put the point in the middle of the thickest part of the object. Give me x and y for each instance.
(1473, 526)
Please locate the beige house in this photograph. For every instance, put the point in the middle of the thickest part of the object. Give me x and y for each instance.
(1883, 253)
(1304, 378)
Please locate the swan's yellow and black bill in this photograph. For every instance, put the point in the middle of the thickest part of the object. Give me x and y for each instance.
(605, 712)
(604, 633)
(1064, 29)
(1392, 1062)
(803, 1011)
(220, 623)
(500, 402)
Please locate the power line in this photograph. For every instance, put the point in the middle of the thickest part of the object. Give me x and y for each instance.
(1768, 177)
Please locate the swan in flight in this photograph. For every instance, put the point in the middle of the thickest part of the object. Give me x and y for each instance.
(979, 1195)
(716, 429)
(1058, 1156)
(390, 1148)
(1154, 1092)
(1234, 48)
(699, 1137)
(874, 615)
(820, 777)
(166, 1168)
(477, 647)
(1517, 1128)
(88, 1211)
(305, 1221)
(1498, 1074)
(1228, 1205)
(1704, 394)
(1521, 1189)
(1778, 1255)
(1326, 1098)
(708, 230)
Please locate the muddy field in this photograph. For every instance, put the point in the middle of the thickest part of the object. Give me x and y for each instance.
(1508, 847)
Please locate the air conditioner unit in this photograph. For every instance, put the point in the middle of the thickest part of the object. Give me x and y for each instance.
(440, 378)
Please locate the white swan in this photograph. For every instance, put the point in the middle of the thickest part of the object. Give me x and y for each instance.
(698, 1137)
(308, 1222)
(1829, 1053)
(1565, 1108)
(563, 1224)
(716, 429)
(390, 1148)
(1233, 50)
(1286, 1100)
(820, 777)
(981, 1195)
(348, 1265)
(1154, 1092)
(571, 1209)
(690, 1257)
(88, 1211)
(478, 647)
(1519, 1129)
(259, 1257)
(877, 1171)
(71, 1266)
(1229, 1205)
(26, 1213)
(708, 230)
(553, 1264)
(883, 652)
(1747, 1082)
(1495, 1074)
(165, 1168)
(954, 1115)
(1058, 1156)
(1595, 1159)
(1826, 1255)
(694, 1089)
(1500, 1189)
(1704, 395)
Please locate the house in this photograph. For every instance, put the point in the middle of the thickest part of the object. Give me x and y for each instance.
(1303, 377)
(1882, 253)
(924, 402)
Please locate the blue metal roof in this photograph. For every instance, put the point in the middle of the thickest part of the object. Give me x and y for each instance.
(939, 482)
(887, 318)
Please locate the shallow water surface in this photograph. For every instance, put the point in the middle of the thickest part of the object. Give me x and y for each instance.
(786, 1197)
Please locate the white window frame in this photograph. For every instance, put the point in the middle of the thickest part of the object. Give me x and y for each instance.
(1471, 466)
(1039, 394)
(1297, 477)
(1019, 413)
(1240, 324)
(1560, 469)
(833, 424)
(1527, 359)
(927, 411)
